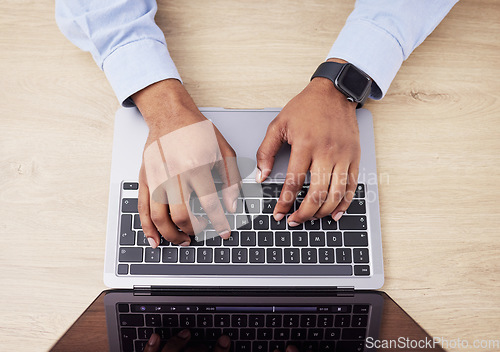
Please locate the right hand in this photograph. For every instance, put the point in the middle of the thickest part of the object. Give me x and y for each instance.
(179, 343)
(167, 107)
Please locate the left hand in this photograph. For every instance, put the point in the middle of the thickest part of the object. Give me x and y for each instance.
(321, 127)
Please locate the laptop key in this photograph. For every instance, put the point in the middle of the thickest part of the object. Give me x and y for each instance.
(265, 238)
(292, 255)
(328, 223)
(256, 320)
(360, 255)
(309, 256)
(198, 239)
(268, 205)
(278, 225)
(257, 255)
(308, 321)
(243, 222)
(130, 186)
(152, 255)
(264, 334)
(352, 222)
(204, 255)
(282, 334)
(187, 320)
(355, 239)
(142, 240)
(361, 270)
(317, 239)
(326, 255)
(315, 334)
(361, 309)
(222, 255)
(298, 227)
(239, 321)
(353, 333)
(126, 222)
(129, 205)
(212, 238)
(299, 238)
(252, 206)
(261, 222)
(325, 321)
(342, 321)
(357, 206)
(343, 255)
(273, 321)
(291, 321)
(169, 255)
(186, 255)
(312, 225)
(153, 320)
(240, 255)
(282, 238)
(298, 334)
(360, 321)
(332, 334)
(351, 346)
(243, 346)
(222, 320)
(274, 255)
(131, 320)
(233, 240)
(144, 333)
(360, 191)
(334, 239)
(137, 222)
(122, 269)
(248, 238)
(247, 334)
(130, 254)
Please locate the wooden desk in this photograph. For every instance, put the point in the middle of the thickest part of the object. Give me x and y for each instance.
(437, 140)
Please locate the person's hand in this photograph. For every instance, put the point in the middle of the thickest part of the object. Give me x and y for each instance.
(181, 149)
(180, 342)
(321, 127)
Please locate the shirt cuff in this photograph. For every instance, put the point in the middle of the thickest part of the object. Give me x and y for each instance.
(136, 65)
(371, 49)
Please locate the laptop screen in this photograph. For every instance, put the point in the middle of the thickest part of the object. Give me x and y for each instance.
(121, 320)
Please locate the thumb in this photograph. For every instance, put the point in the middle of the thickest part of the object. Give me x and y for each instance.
(268, 149)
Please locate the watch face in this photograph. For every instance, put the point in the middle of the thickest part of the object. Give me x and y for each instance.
(353, 82)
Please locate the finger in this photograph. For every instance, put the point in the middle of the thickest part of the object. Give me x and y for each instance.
(321, 175)
(268, 148)
(153, 344)
(223, 344)
(352, 183)
(204, 187)
(148, 227)
(292, 348)
(155, 172)
(336, 193)
(181, 216)
(296, 174)
(178, 342)
(230, 176)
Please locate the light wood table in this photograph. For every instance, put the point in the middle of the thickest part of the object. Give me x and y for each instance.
(437, 143)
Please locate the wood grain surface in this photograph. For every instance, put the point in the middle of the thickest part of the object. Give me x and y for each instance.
(437, 143)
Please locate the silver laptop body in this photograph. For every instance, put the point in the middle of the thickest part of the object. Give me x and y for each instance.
(244, 130)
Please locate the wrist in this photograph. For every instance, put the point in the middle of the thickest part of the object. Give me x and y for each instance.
(325, 87)
(163, 102)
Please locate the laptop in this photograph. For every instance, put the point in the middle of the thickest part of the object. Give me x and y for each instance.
(260, 252)
(316, 321)
(313, 303)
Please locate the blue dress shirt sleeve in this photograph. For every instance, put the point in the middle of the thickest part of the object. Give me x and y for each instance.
(123, 39)
(379, 35)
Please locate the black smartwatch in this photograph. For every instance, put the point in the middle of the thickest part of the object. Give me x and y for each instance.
(348, 79)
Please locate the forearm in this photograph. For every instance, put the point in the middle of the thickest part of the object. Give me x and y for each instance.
(379, 35)
(123, 39)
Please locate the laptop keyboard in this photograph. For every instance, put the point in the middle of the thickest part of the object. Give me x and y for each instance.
(335, 248)
(310, 328)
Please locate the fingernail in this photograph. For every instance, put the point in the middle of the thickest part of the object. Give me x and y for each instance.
(279, 216)
(153, 340)
(225, 234)
(258, 176)
(314, 219)
(224, 341)
(184, 334)
(338, 216)
(152, 242)
(185, 244)
(235, 205)
(293, 223)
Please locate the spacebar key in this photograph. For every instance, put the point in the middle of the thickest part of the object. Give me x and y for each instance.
(288, 270)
